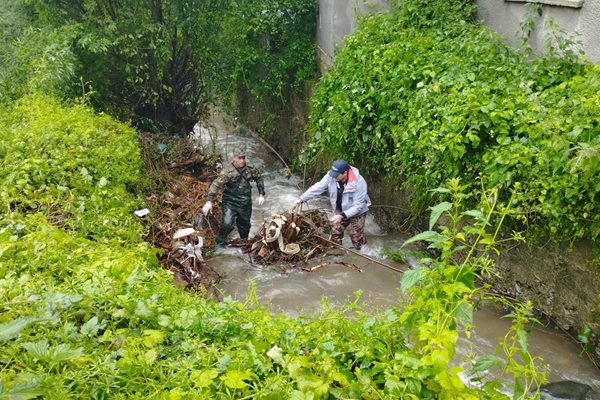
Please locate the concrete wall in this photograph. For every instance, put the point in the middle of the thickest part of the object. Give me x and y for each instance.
(505, 17)
(337, 18)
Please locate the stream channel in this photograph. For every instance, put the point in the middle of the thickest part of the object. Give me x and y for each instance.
(294, 291)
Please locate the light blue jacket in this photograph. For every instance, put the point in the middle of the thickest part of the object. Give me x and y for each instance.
(355, 200)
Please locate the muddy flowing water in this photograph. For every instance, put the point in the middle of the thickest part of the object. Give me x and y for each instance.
(291, 291)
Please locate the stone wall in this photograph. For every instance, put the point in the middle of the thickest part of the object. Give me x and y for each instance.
(561, 280)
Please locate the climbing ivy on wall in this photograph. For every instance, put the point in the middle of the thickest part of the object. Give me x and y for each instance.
(270, 49)
(271, 45)
(425, 94)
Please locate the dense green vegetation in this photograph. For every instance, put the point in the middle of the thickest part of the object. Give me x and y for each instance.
(85, 309)
(74, 166)
(87, 312)
(426, 94)
(160, 63)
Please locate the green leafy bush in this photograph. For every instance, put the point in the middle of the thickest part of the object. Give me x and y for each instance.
(76, 167)
(161, 63)
(83, 319)
(421, 101)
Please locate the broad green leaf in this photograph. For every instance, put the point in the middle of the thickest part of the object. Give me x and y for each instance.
(298, 395)
(150, 356)
(175, 394)
(223, 362)
(164, 320)
(437, 211)
(369, 322)
(486, 363)
(64, 352)
(340, 378)
(91, 327)
(23, 391)
(518, 390)
(38, 349)
(414, 386)
(412, 277)
(321, 389)
(475, 214)
(235, 379)
(11, 330)
(428, 236)
(52, 354)
(153, 337)
(4, 246)
(276, 354)
(391, 315)
(584, 334)
(464, 314)
(204, 378)
(394, 387)
(487, 240)
(522, 337)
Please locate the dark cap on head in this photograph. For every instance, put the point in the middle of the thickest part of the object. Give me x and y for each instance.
(338, 167)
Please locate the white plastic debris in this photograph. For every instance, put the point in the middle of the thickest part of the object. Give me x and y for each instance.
(198, 248)
(181, 233)
(190, 250)
(142, 212)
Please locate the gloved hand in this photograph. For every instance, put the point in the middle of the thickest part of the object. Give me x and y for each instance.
(296, 204)
(336, 219)
(207, 207)
(261, 200)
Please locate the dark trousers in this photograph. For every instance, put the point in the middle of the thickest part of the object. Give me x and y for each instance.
(356, 230)
(234, 215)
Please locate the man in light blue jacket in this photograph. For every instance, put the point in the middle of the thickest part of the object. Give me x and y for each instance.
(350, 202)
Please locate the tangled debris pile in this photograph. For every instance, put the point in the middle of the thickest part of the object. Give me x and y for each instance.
(180, 174)
(291, 237)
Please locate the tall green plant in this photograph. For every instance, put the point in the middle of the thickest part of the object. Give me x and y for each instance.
(443, 295)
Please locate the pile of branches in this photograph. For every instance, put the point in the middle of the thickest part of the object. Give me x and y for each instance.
(181, 174)
(291, 237)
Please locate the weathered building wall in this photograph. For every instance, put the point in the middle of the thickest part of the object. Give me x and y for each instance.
(577, 17)
(337, 19)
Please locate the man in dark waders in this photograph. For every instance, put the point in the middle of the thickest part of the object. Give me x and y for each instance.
(236, 202)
